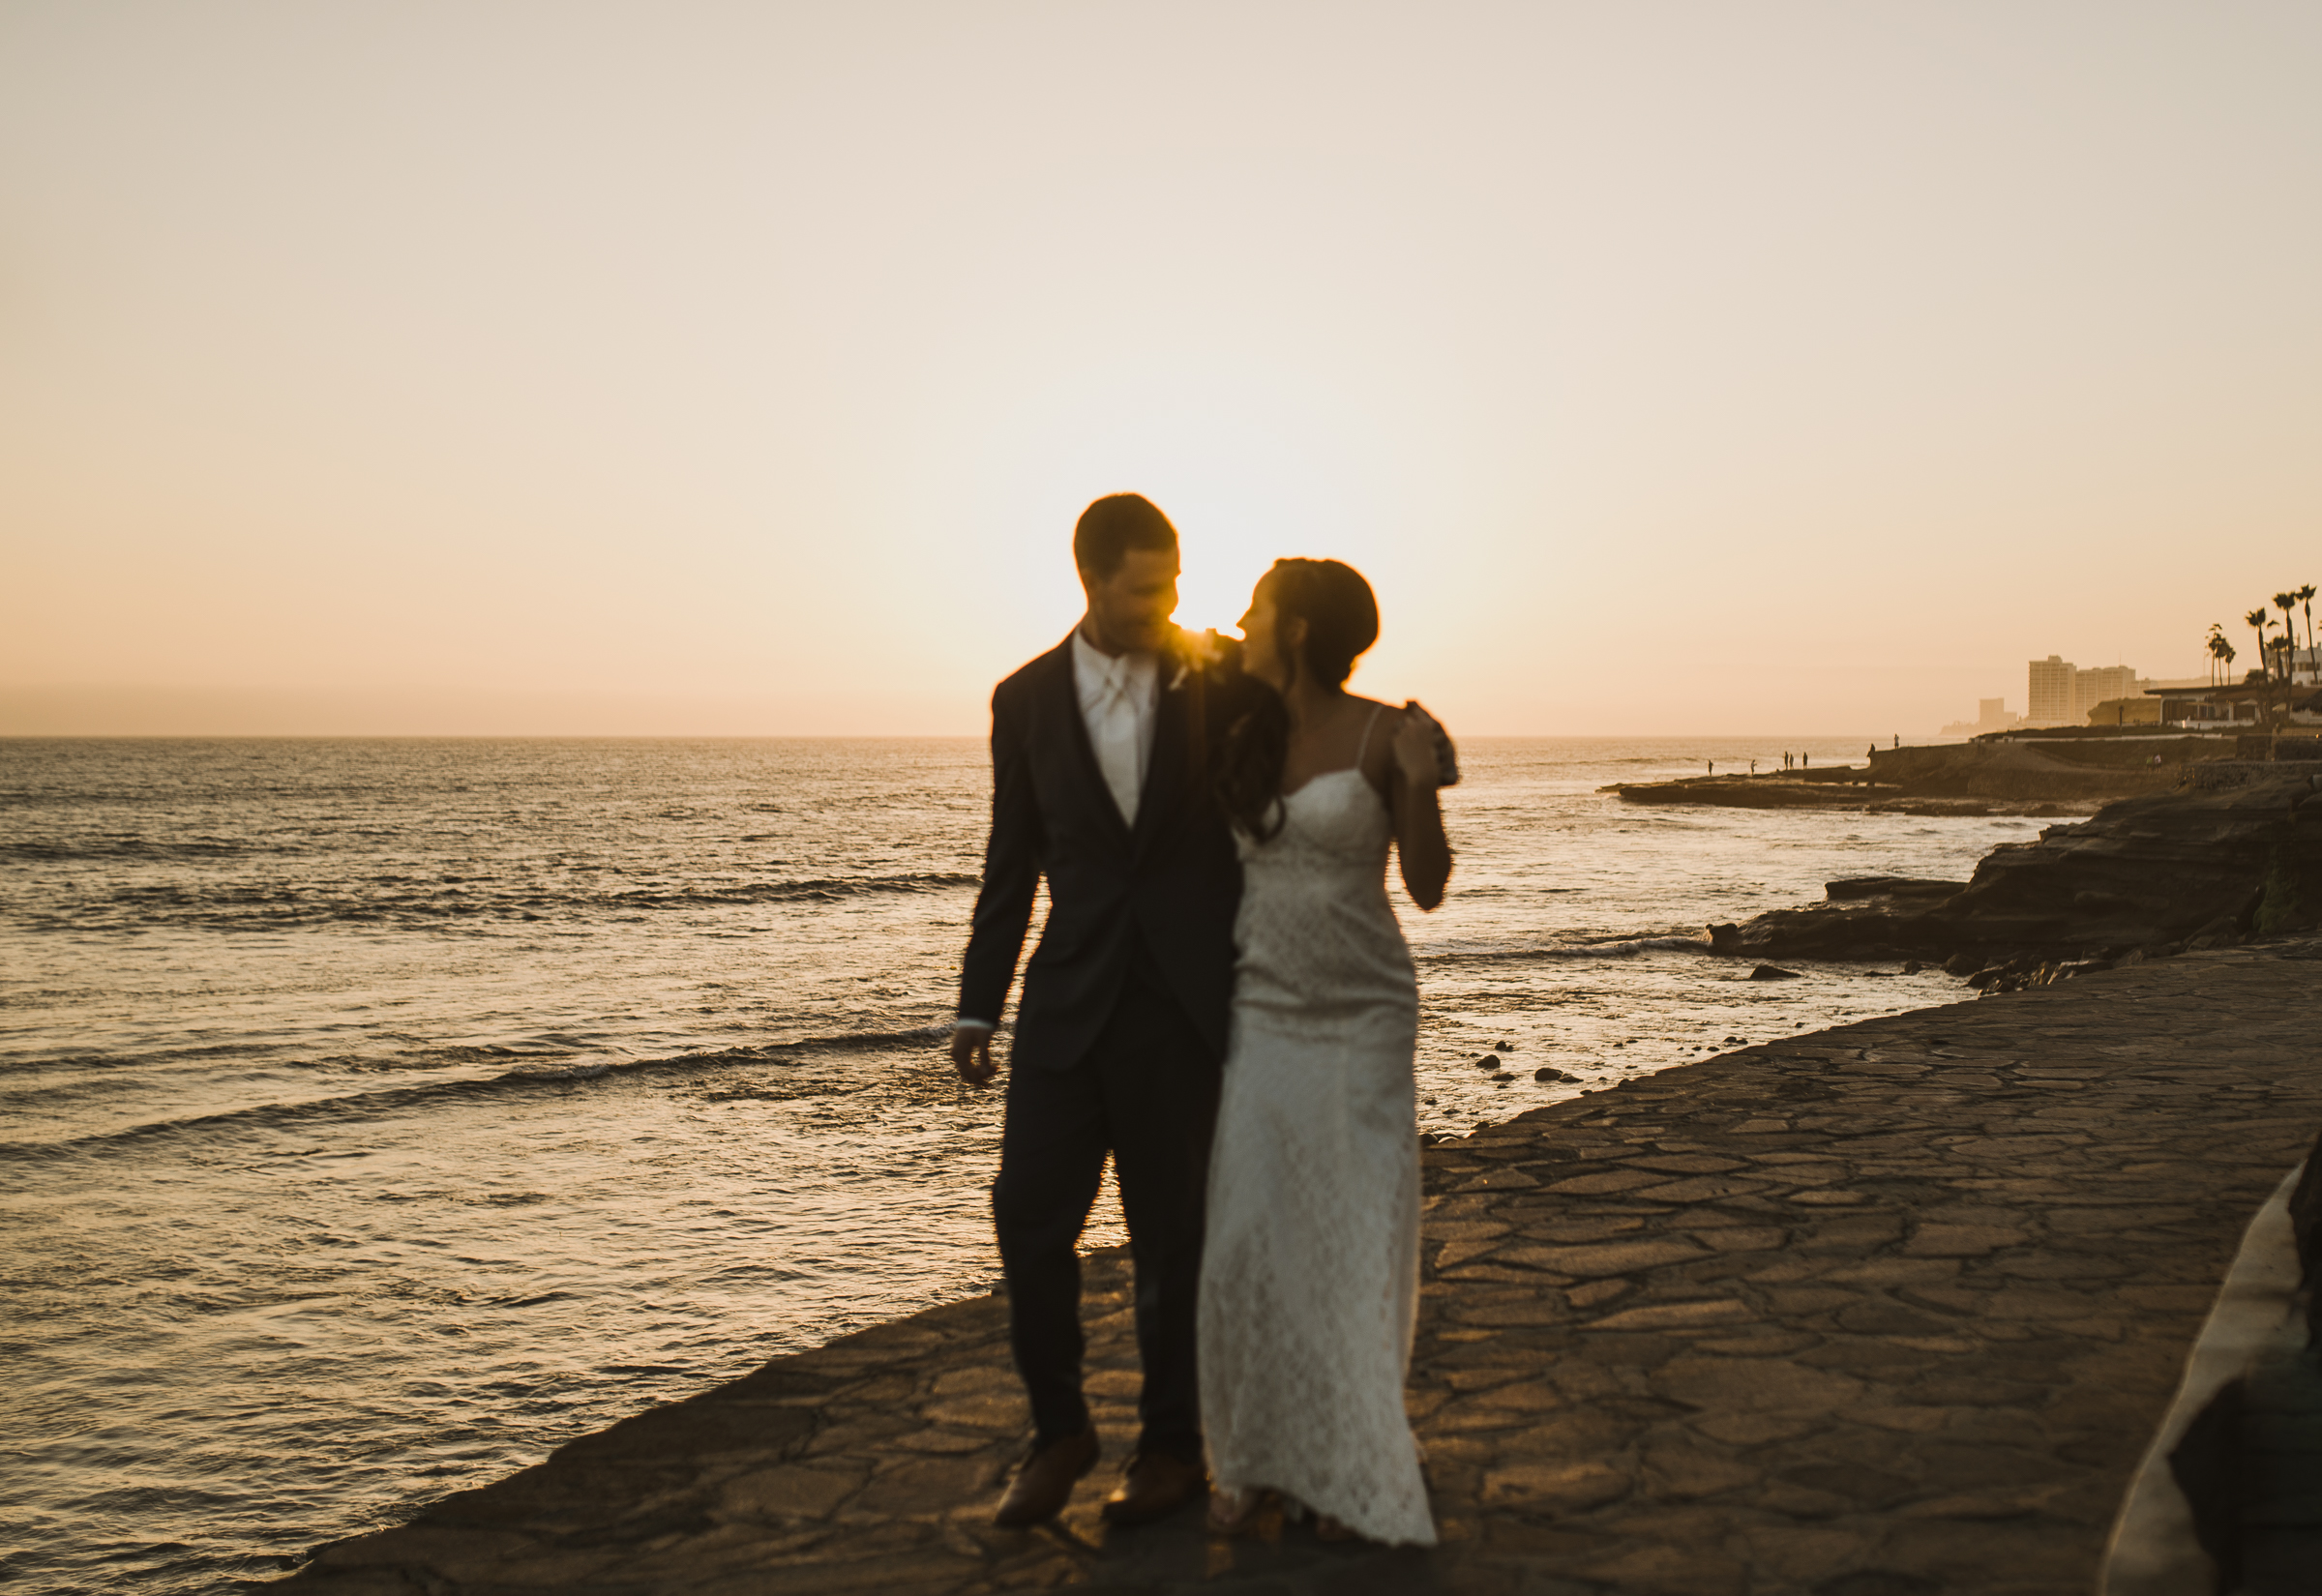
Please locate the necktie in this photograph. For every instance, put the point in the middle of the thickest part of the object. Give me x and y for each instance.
(1116, 742)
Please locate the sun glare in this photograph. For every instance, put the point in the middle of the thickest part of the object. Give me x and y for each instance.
(1249, 471)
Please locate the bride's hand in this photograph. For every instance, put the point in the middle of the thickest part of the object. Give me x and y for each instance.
(1202, 649)
(1417, 740)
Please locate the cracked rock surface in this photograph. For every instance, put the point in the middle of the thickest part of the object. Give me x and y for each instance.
(1889, 1310)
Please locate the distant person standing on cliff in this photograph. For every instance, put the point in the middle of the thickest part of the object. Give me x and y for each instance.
(1101, 777)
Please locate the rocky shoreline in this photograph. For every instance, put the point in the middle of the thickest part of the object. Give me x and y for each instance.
(1893, 1307)
(2055, 776)
(2188, 870)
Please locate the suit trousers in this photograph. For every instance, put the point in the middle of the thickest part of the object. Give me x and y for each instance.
(1146, 1092)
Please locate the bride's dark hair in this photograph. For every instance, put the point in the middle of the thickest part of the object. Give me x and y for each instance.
(1342, 620)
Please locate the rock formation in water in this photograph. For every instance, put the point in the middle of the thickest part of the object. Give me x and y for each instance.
(2148, 874)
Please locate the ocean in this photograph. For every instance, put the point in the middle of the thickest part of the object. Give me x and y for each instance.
(376, 1115)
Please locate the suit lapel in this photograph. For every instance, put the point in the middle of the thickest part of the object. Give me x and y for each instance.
(1166, 772)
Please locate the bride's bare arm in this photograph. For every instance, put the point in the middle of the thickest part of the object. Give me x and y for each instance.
(1421, 846)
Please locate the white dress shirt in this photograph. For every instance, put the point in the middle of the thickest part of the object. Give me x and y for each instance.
(1118, 700)
(1118, 697)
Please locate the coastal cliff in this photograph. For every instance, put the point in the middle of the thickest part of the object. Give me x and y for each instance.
(2186, 869)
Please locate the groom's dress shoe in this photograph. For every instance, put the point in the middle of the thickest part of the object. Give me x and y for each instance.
(1045, 1482)
(1156, 1485)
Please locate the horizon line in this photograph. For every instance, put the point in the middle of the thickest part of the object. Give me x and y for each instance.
(797, 736)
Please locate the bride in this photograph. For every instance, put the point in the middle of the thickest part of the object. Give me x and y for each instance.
(1310, 1268)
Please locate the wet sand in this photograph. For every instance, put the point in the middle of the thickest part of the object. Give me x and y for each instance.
(1888, 1308)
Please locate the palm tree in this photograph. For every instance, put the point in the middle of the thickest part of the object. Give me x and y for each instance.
(2215, 645)
(2306, 596)
(2221, 651)
(2258, 620)
(2287, 603)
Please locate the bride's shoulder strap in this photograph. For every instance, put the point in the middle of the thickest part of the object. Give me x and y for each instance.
(1362, 749)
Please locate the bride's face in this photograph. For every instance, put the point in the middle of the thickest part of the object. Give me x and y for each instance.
(1262, 653)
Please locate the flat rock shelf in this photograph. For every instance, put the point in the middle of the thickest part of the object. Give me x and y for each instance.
(1889, 1310)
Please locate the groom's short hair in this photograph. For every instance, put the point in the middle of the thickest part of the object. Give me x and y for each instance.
(1114, 524)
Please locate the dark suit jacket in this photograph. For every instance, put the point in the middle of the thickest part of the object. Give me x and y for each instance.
(1173, 884)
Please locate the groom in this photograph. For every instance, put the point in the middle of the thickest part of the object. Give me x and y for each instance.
(1100, 781)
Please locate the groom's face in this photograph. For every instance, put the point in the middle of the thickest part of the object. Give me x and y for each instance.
(1129, 610)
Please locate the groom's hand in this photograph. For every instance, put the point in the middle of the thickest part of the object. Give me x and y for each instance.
(972, 1054)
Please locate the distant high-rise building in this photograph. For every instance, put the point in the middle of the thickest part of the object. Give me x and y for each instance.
(2062, 693)
(2050, 700)
(2101, 685)
(1991, 715)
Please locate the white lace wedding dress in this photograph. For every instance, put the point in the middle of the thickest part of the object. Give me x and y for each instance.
(1310, 1268)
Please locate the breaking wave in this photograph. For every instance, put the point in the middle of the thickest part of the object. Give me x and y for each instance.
(525, 1078)
(284, 906)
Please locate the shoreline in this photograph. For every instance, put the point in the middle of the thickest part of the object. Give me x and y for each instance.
(2072, 772)
(1774, 790)
(1905, 1297)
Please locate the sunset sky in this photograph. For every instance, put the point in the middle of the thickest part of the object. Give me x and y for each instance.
(740, 368)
